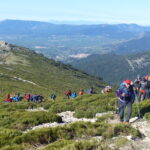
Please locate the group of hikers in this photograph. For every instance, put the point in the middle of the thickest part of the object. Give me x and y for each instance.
(17, 97)
(38, 98)
(90, 91)
(73, 95)
(128, 92)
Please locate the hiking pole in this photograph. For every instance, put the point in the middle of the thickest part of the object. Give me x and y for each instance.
(116, 106)
(137, 106)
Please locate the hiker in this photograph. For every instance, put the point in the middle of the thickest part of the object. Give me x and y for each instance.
(137, 85)
(90, 91)
(107, 89)
(16, 97)
(73, 95)
(142, 92)
(8, 98)
(148, 88)
(39, 98)
(33, 98)
(126, 97)
(81, 92)
(68, 94)
(146, 77)
(53, 96)
(28, 97)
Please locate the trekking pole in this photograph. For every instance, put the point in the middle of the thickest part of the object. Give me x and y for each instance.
(137, 106)
(116, 107)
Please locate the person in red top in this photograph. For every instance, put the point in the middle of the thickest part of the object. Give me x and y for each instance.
(28, 96)
(68, 94)
(81, 92)
(8, 99)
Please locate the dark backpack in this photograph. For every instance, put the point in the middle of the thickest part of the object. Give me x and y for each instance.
(148, 85)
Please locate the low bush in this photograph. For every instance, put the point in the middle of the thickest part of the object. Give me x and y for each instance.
(144, 108)
(23, 119)
(16, 147)
(77, 145)
(76, 130)
(147, 116)
(121, 129)
(121, 141)
(105, 118)
(47, 135)
(84, 106)
(18, 105)
(6, 136)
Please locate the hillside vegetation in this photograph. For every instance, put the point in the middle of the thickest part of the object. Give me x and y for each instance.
(22, 70)
(115, 68)
(16, 131)
(22, 124)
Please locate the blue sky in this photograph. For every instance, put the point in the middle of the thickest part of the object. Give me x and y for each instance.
(108, 11)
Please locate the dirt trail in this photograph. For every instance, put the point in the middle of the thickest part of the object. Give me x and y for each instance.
(142, 125)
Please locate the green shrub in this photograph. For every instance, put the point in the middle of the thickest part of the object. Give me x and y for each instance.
(121, 141)
(19, 105)
(105, 118)
(6, 136)
(144, 107)
(85, 106)
(147, 116)
(47, 135)
(75, 130)
(58, 145)
(16, 147)
(47, 105)
(77, 145)
(23, 119)
(121, 129)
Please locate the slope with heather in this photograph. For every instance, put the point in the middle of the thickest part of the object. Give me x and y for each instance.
(23, 70)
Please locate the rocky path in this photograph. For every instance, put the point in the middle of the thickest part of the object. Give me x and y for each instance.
(67, 118)
(144, 128)
(142, 125)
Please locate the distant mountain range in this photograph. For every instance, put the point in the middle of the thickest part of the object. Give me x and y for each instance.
(115, 68)
(60, 41)
(84, 46)
(35, 28)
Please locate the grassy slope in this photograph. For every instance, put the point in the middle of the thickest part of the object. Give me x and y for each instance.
(51, 76)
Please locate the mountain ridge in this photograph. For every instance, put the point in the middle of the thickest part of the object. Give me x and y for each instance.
(115, 68)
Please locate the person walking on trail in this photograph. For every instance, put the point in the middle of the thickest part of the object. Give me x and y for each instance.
(142, 94)
(148, 88)
(68, 94)
(73, 95)
(90, 91)
(8, 98)
(53, 96)
(81, 92)
(137, 85)
(28, 97)
(126, 98)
